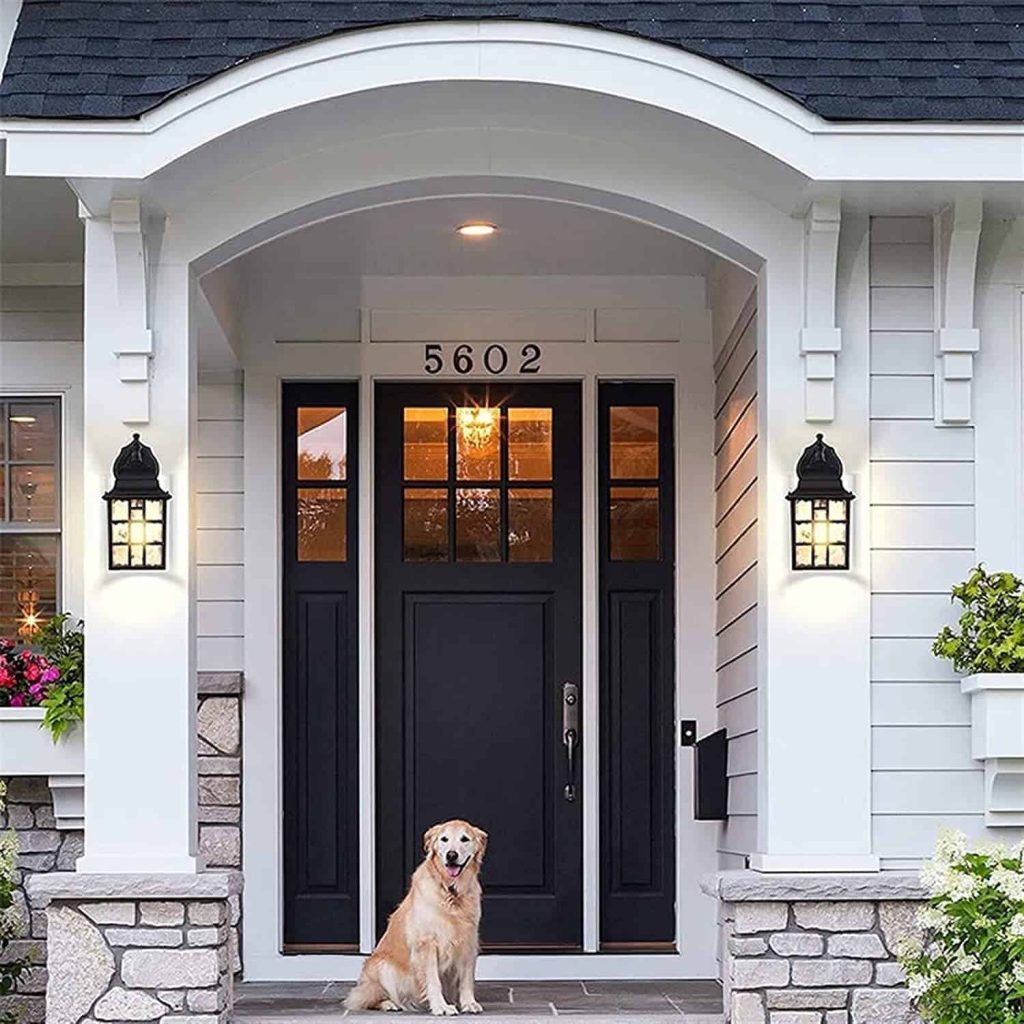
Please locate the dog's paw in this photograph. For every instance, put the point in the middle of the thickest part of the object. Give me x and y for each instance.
(471, 1007)
(387, 1006)
(444, 1010)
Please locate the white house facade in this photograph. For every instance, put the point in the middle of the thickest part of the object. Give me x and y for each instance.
(478, 345)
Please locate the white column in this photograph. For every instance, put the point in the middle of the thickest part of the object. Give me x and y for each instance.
(814, 783)
(140, 680)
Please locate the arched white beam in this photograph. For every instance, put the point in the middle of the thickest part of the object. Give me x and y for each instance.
(591, 60)
(239, 214)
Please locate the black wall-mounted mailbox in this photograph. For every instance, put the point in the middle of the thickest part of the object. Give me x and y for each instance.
(711, 778)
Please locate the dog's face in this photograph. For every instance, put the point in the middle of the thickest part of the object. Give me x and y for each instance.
(454, 845)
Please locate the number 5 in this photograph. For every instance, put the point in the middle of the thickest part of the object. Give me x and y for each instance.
(434, 362)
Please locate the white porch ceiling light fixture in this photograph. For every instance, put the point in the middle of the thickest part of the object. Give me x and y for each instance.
(477, 229)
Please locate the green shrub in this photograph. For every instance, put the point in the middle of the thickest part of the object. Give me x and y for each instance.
(969, 969)
(11, 923)
(990, 634)
(64, 645)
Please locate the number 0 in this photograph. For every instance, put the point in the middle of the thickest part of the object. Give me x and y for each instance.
(501, 360)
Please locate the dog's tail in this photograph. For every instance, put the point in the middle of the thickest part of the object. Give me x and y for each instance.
(367, 995)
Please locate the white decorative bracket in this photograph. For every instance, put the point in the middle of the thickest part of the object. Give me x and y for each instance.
(134, 345)
(957, 339)
(820, 339)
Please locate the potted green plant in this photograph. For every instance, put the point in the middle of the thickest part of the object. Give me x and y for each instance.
(987, 646)
(41, 710)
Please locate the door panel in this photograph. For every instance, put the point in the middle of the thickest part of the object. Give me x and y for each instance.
(320, 666)
(478, 564)
(637, 578)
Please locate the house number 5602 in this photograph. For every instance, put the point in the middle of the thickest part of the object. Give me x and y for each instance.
(494, 359)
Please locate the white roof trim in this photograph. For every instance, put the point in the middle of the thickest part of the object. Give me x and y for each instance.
(565, 56)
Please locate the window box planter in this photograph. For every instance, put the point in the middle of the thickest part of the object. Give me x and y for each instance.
(997, 739)
(28, 749)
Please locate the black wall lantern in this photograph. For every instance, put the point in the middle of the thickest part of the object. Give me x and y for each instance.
(137, 510)
(820, 507)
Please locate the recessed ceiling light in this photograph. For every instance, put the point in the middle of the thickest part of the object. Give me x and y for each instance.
(23, 419)
(477, 229)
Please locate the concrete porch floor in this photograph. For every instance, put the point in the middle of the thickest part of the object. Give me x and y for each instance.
(596, 1002)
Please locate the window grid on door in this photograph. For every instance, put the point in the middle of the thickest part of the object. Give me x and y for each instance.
(477, 484)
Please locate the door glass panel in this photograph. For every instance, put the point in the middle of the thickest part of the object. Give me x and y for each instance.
(477, 524)
(426, 444)
(33, 432)
(323, 524)
(425, 524)
(634, 442)
(529, 444)
(634, 524)
(478, 442)
(34, 494)
(322, 444)
(530, 514)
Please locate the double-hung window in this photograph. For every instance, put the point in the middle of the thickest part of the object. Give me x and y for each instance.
(30, 513)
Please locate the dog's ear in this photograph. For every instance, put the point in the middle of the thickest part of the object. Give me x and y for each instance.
(481, 843)
(429, 836)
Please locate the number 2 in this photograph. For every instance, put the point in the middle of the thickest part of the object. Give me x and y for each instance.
(531, 359)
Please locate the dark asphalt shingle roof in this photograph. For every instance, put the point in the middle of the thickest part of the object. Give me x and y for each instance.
(887, 60)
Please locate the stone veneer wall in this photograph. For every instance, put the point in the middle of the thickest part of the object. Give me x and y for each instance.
(129, 948)
(815, 949)
(45, 848)
(219, 725)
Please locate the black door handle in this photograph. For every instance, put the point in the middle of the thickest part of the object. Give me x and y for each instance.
(570, 736)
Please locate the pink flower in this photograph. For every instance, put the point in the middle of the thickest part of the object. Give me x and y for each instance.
(32, 672)
(6, 679)
(36, 689)
(17, 701)
(51, 675)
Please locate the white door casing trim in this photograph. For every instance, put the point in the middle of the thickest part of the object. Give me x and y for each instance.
(687, 363)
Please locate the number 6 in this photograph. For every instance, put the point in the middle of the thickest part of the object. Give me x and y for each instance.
(463, 359)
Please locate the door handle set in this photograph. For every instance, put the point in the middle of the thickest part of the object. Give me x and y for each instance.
(570, 736)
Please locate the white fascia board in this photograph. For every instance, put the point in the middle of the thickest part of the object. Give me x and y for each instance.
(591, 60)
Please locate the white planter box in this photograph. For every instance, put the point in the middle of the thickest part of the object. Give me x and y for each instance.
(997, 738)
(28, 749)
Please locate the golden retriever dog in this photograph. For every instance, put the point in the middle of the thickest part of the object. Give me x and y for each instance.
(428, 952)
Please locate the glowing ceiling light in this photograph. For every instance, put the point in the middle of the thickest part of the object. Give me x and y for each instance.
(477, 229)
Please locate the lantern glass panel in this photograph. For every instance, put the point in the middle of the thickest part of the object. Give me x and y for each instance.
(802, 511)
(837, 511)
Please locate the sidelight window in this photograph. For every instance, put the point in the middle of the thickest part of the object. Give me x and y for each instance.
(322, 510)
(634, 495)
(478, 484)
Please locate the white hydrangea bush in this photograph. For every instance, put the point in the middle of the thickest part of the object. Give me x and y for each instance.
(969, 968)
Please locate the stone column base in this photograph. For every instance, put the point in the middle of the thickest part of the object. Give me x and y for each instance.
(815, 949)
(137, 947)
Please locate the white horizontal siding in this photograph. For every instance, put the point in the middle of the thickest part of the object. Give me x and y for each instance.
(922, 536)
(736, 611)
(38, 313)
(219, 523)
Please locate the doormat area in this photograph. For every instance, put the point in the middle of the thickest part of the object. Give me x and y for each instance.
(597, 1002)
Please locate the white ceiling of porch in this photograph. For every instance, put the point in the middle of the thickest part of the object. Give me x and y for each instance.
(415, 239)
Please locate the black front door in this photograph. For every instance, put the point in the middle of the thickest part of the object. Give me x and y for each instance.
(478, 608)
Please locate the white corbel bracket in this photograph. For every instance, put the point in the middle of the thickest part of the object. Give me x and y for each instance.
(820, 339)
(134, 345)
(957, 339)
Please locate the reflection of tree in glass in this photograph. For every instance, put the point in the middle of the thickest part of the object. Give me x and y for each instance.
(476, 512)
(320, 513)
(320, 466)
